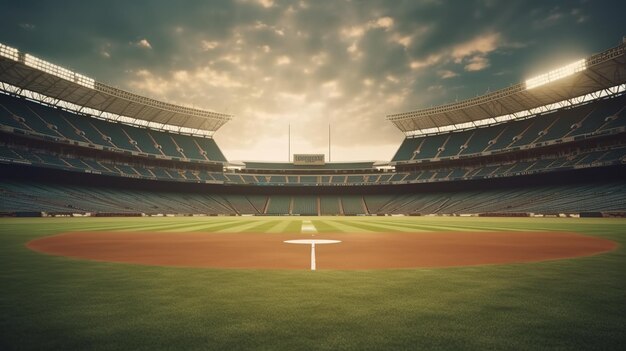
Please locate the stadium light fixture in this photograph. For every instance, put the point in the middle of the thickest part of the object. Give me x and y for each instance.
(9, 52)
(556, 74)
(59, 71)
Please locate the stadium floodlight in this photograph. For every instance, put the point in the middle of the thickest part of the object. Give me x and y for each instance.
(59, 71)
(9, 52)
(556, 74)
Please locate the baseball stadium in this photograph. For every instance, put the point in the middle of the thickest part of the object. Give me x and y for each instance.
(497, 222)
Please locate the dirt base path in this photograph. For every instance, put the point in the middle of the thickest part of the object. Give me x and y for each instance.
(356, 251)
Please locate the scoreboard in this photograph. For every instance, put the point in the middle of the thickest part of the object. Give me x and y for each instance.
(309, 159)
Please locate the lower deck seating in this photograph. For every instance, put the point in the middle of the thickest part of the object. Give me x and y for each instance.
(352, 205)
(279, 205)
(30, 196)
(305, 205)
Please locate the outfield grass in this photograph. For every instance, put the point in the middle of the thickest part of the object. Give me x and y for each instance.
(49, 302)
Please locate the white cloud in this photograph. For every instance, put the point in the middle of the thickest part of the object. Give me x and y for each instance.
(392, 79)
(477, 63)
(435, 88)
(472, 53)
(383, 22)
(358, 31)
(283, 60)
(446, 74)
(554, 17)
(234, 59)
(429, 61)
(331, 89)
(579, 16)
(263, 26)
(266, 3)
(319, 59)
(105, 50)
(353, 32)
(27, 26)
(177, 82)
(208, 45)
(143, 43)
(402, 40)
(482, 44)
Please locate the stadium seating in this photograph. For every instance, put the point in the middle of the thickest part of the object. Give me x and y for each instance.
(352, 205)
(259, 202)
(28, 196)
(580, 121)
(305, 205)
(545, 164)
(241, 204)
(57, 124)
(279, 205)
(329, 205)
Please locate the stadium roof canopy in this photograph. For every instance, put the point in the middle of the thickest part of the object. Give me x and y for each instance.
(25, 72)
(563, 87)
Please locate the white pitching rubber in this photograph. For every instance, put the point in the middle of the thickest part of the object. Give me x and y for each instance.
(312, 242)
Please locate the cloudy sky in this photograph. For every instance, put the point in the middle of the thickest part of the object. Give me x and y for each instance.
(272, 63)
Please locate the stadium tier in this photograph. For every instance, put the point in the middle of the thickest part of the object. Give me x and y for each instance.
(592, 120)
(35, 120)
(589, 158)
(27, 196)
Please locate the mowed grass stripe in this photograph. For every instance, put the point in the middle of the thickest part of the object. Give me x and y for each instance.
(134, 226)
(443, 228)
(391, 226)
(207, 226)
(265, 226)
(280, 227)
(339, 226)
(237, 228)
(215, 227)
(110, 227)
(472, 228)
(380, 227)
(293, 227)
(180, 227)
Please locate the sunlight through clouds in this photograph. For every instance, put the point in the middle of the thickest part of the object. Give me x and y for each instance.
(272, 63)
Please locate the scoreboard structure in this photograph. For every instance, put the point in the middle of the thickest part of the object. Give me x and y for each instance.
(309, 159)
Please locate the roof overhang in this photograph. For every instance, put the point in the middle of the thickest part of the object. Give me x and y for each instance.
(603, 71)
(67, 86)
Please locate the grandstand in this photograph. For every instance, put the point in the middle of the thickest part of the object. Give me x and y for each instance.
(138, 156)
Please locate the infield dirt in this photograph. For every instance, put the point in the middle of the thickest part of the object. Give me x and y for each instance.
(356, 251)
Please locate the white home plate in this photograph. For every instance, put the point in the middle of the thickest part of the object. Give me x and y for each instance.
(312, 242)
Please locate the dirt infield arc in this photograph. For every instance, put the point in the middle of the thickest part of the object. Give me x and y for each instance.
(356, 251)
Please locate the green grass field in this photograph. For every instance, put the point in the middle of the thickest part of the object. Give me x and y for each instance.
(49, 302)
